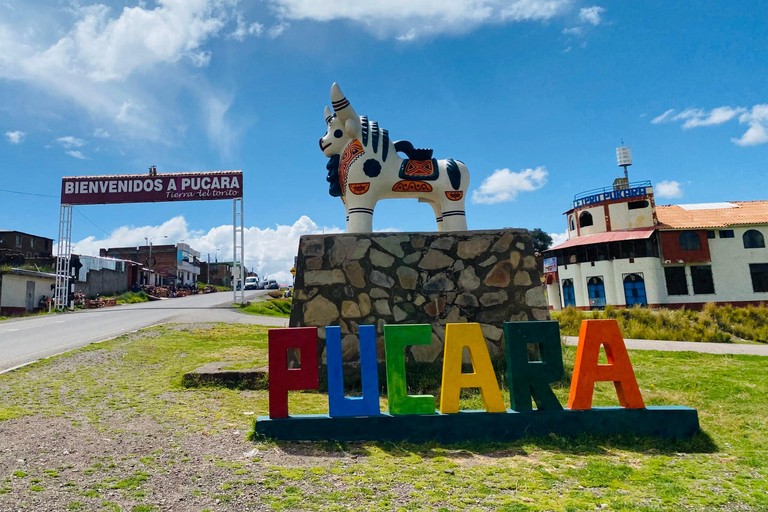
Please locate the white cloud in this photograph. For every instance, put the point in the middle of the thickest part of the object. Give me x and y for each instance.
(663, 118)
(243, 29)
(71, 142)
(76, 154)
(105, 59)
(16, 137)
(573, 31)
(757, 119)
(591, 15)
(504, 185)
(270, 251)
(101, 133)
(396, 18)
(668, 189)
(559, 238)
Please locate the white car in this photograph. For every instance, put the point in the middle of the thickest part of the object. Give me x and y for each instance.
(251, 283)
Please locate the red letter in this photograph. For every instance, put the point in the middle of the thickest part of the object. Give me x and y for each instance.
(281, 378)
(619, 370)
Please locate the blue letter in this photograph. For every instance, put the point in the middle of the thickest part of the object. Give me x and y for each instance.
(338, 404)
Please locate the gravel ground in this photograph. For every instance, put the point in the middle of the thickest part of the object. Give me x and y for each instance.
(49, 464)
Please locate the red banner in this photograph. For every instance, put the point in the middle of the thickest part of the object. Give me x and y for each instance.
(146, 188)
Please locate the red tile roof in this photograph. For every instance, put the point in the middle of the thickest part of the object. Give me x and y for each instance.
(608, 236)
(710, 216)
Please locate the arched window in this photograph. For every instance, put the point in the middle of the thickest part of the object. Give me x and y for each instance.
(569, 297)
(585, 219)
(690, 241)
(573, 225)
(753, 239)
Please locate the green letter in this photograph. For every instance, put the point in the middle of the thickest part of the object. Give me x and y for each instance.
(396, 338)
(531, 379)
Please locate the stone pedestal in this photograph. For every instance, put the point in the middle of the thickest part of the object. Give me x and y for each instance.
(416, 278)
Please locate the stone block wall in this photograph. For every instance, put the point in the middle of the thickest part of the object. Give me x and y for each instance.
(416, 278)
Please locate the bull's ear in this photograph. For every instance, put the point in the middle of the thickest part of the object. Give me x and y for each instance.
(328, 114)
(353, 127)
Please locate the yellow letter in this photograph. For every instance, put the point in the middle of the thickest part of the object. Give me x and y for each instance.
(458, 336)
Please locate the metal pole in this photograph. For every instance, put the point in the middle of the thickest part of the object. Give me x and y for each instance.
(242, 251)
(234, 251)
(150, 263)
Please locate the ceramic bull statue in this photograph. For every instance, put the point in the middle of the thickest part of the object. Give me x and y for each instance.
(365, 168)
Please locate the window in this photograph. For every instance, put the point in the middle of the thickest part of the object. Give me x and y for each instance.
(585, 219)
(726, 233)
(676, 284)
(18, 240)
(636, 205)
(711, 233)
(573, 225)
(32, 241)
(701, 275)
(690, 241)
(753, 239)
(759, 273)
(1, 239)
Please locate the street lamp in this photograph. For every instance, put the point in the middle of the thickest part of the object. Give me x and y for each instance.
(149, 261)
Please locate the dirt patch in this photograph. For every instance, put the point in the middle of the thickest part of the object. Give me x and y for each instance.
(53, 464)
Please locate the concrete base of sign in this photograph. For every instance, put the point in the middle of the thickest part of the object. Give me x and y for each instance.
(668, 422)
(216, 375)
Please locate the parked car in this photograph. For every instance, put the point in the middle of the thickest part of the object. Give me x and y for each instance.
(251, 283)
(272, 285)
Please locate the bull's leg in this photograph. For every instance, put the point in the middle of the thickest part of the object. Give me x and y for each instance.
(454, 218)
(438, 215)
(360, 217)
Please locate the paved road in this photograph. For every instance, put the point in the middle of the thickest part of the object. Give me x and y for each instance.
(687, 346)
(29, 339)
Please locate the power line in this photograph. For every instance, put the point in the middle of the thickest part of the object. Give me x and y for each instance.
(25, 193)
(89, 220)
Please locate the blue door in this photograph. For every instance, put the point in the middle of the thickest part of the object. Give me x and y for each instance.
(596, 290)
(569, 297)
(634, 290)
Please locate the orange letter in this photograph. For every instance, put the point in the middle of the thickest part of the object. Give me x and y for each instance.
(586, 371)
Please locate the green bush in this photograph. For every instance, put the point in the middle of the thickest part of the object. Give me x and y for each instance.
(718, 324)
(132, 298)
(273, 307)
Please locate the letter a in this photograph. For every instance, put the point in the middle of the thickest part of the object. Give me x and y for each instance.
(587, 371)
(458, 336)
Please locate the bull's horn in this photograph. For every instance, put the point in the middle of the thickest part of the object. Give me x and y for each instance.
(344, 111)
(340, 103)
(328, 114)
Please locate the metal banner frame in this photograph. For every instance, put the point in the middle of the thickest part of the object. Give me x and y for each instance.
(64, 250)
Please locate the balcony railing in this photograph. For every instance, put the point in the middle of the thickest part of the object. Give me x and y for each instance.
(603, 190)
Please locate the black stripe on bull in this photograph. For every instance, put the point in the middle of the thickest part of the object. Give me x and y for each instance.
(453, 173)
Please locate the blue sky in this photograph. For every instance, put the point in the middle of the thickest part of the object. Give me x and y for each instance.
(534, 95)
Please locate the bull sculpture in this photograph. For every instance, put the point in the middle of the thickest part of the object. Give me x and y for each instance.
(365, 167)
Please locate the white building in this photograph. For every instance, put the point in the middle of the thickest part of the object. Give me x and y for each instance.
(624, 250)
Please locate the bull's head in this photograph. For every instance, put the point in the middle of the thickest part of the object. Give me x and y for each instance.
(343, 124)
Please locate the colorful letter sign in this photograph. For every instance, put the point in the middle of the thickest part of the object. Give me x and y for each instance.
(413, 417)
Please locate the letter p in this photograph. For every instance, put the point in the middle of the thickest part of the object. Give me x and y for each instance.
(283, 379)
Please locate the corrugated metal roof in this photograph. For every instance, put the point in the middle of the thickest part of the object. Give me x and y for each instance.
(708, 215)
(608, 236)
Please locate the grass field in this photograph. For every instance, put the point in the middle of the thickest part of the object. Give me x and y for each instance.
(117, 388)
(273, 307)
(712, 324)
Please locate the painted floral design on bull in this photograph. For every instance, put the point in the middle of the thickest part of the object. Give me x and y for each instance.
(365, 168)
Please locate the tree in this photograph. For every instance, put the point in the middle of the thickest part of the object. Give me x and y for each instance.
(541, 240)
